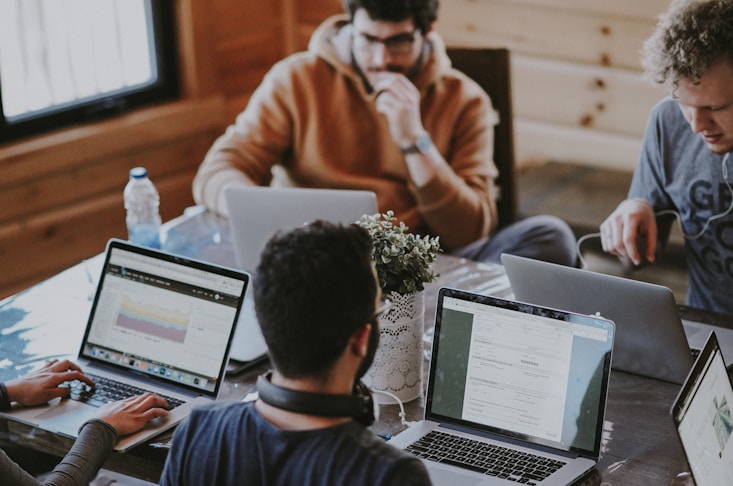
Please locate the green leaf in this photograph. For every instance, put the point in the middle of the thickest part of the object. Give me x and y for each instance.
(403, 260)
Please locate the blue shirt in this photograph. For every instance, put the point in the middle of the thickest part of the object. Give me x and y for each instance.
(231, 443)
(677, 171)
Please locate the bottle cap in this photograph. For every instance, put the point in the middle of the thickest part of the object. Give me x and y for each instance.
(138, 172)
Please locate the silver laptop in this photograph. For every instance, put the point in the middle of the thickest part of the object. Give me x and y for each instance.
(159, 323)
(699, 323)
(703, 419)
(650, 339)
(514, 380)
(256, 214)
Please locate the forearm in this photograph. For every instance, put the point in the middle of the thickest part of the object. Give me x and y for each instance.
(239, 156)
(460, 210)
(90, 450)
(94, 444)
(458, 203)
(209, 184)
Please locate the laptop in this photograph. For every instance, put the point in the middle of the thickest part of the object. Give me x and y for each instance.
(255, 215)
(509, 378)
(650, 339)
(699, 323)
(158, 322)
(703, 419)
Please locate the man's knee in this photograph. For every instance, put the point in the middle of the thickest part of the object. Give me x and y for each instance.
(550, 238)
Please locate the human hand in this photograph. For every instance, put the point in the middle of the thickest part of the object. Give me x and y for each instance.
(630, 231)
(43, 385)
(399, 101)
(131, 414)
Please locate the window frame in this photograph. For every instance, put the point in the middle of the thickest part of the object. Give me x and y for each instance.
(165, 88)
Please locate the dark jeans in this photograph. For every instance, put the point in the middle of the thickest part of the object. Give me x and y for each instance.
(545, 238)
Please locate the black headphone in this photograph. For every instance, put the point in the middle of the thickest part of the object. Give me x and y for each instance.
(359, 405)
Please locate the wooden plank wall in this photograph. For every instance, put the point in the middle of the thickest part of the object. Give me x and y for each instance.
(577, 97)
(577, 88)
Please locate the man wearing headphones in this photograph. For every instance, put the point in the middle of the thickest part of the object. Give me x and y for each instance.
(683, 167)
(317, 300)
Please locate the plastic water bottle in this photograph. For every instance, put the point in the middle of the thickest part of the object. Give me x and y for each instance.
(142, 204)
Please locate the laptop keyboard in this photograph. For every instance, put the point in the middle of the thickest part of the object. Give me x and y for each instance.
(490, 459)
(106, 390)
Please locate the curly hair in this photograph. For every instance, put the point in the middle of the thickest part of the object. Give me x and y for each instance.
(691, 37)
(422, 12)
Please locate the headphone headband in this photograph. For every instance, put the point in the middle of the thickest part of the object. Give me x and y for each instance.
(359, 405)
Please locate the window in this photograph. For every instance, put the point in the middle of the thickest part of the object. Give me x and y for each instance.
(72, 61)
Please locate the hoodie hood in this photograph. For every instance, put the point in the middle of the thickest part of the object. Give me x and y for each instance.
(332, 42)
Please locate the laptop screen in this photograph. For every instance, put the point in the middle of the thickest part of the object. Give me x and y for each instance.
(281, 208)
(521, 371)
(164, 317)
(702, 414)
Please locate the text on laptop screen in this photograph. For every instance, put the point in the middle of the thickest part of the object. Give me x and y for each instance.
(704, 422)
(162, 318)
(533, 377)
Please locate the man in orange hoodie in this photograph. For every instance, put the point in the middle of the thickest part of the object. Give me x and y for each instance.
(374, 104)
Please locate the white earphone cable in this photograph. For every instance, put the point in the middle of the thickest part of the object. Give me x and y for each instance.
(724, 169)
(402, 414)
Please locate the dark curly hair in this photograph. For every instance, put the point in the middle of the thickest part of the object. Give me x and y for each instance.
(314, 287)
(691, 37)
(422, 12)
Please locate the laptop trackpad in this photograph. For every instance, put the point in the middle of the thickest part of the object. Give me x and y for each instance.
(66, 419)
(454, 477)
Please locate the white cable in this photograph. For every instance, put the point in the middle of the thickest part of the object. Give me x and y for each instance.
(723, 168)
(404, 421)
(583, 263)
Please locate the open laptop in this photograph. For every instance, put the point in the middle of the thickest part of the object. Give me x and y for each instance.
(650, 337)
(703, 419)
(159, 322)
(256, 214)
(517, 378)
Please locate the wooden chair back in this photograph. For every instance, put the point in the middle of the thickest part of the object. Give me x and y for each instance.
(490, 68)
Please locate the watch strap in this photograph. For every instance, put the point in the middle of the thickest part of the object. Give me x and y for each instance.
(422, 145)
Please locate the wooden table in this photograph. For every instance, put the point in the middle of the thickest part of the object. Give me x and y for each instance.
(47, 320)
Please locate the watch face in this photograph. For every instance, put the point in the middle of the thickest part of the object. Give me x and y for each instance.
(423, 143)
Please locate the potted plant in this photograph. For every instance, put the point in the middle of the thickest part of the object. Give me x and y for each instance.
(404, 265)
(403, 260)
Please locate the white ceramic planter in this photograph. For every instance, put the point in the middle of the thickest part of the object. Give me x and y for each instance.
(398, 363)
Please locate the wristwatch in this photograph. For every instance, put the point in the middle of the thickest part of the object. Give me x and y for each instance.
(422, 145)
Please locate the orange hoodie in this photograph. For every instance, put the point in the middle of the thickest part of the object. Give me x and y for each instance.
(314, 115)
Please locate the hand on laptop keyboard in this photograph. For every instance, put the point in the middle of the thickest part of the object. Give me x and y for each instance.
(124, 407)
(132, 414)
(45, 384)
(106, 391)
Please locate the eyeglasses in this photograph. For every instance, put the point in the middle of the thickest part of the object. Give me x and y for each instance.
(383, 308)
(396, 45)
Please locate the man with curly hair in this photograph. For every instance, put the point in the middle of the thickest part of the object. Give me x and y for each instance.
(374, 104)
(683, 167)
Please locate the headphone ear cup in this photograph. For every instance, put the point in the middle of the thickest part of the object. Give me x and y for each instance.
(360, 405)
(371, 406)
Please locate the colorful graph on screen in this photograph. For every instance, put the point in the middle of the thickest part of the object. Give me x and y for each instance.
(170, 324)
